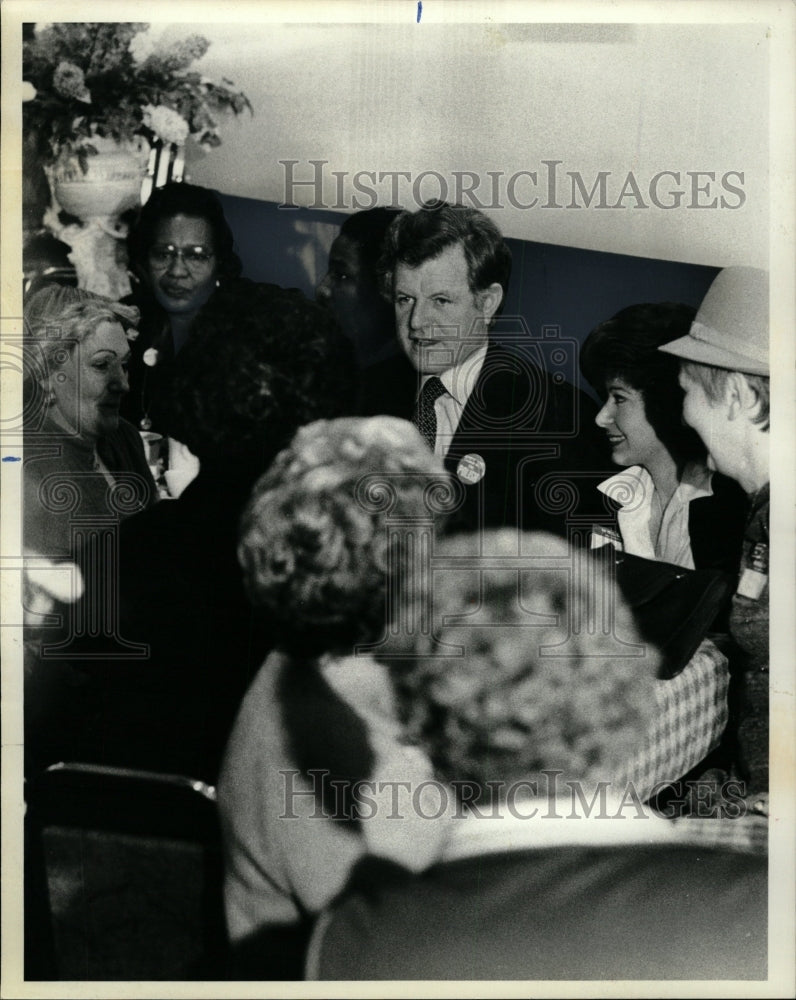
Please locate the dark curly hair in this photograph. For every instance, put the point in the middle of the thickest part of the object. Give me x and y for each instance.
(182, 199)
(530, 692)
(314, 545)
(260, 362)
(415, 237)
(626, 347)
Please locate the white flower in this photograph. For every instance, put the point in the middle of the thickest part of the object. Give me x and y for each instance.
(150, 357)
(142, 46)
(167, 124)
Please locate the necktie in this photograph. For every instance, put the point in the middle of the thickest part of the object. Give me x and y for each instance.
(425, 418)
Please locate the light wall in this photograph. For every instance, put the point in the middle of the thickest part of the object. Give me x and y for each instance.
(622, 99)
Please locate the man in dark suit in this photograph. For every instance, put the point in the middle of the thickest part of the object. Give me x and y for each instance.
(517, 436)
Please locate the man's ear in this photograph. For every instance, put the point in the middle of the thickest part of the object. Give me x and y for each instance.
(740, 397)
(489, 300)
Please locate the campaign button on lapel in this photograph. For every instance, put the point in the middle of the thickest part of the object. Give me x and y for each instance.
(471, 468)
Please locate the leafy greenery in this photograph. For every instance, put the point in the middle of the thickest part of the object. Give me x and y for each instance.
(98, 79)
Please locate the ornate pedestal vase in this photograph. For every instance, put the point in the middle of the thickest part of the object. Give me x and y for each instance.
(110, 186)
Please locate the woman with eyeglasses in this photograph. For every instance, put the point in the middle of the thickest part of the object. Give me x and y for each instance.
(181, 250)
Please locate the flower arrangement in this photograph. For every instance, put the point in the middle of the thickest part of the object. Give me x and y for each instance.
(111, 80)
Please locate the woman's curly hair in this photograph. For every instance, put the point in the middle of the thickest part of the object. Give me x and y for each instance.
(533, 689)
(260, 362)
(314, 546)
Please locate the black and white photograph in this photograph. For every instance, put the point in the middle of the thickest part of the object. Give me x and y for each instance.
(397, 467)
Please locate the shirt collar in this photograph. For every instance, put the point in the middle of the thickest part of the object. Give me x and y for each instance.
(624, 487)
(459, 381)
(695, 482)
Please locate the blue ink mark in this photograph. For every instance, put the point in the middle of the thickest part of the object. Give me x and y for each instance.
(419, 10)
(12, 458)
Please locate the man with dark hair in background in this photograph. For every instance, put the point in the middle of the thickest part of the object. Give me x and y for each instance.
(520, 440)
(350, 289)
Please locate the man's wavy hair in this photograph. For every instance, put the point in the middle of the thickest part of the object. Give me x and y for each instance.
(261, 362)
(534, 689)
(183, 199)
(626, 347)
(415, 237)
(314, 545)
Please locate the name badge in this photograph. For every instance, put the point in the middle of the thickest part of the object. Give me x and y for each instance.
(752, 584)
(471, 469)
(603, 535)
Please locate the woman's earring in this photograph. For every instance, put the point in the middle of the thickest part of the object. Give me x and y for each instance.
(218, 282)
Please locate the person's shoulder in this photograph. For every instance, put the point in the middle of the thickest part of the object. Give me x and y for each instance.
(523, 359)
(725, 508)
(261, 698)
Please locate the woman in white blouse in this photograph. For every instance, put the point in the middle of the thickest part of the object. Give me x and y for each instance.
(669, 504)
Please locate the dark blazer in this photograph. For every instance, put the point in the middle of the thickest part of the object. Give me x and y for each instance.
(716, 526)
(532, 438)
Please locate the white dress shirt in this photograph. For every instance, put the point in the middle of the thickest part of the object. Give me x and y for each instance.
(633, 489)
(459, 383)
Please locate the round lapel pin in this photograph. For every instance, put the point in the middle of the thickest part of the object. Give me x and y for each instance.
(471, 469)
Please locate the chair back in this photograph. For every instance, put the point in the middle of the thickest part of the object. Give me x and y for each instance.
(123, 876)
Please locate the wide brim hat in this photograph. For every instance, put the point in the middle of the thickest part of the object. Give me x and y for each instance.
(731, 328)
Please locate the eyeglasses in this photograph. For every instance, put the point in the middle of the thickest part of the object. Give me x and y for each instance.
(194, 258)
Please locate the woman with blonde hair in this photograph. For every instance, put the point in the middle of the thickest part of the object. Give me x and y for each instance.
(82, 459)
(321, 558)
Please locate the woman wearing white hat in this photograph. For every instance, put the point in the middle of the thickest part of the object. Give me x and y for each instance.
(725, 377)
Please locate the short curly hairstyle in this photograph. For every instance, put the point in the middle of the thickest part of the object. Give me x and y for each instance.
(314, 545)
(260, 362)
(183, 199)
(530, 692)
(58, 317)
(626, 347)
(415, 237)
